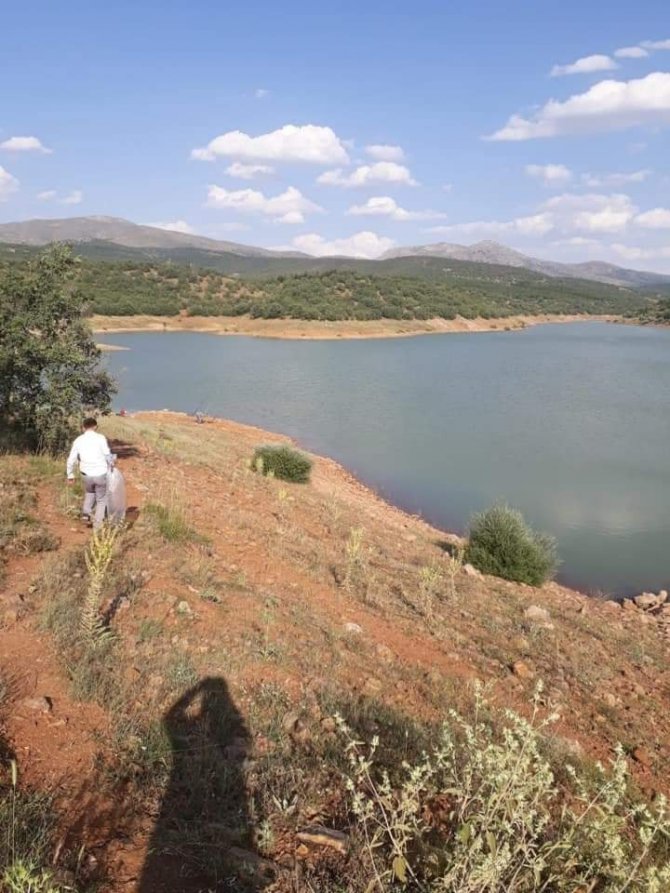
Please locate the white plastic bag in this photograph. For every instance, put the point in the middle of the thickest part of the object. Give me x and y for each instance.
(116, 495)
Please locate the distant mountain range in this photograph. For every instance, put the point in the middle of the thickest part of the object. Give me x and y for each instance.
(488, 252)
(120, 232)
(106, 237)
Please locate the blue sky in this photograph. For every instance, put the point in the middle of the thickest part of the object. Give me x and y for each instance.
(543, 125)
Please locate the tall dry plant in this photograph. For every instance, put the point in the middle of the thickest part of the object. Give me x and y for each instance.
(98, 556)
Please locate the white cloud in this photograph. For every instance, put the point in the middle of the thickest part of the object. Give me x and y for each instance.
(550, 174)
(363, 244)
(288, 207)
(608, 105)
(261, 93)
(385, 153)
(385, 206)
(8, 184)
(634, 252)
(592, 212)
(24, 144)
(47, 196)
(306, 143)
(578, 242)
(631, 53)
(76, 197)
(175, 226)
(600, 181)
(534, 225)
(564, 214)
(585, 65)
(365, 174)
(656, 44)
(248, 171)
(657, 218)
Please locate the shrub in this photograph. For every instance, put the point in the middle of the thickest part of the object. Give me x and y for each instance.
(282, 462)
(501, 543)
(481, 812)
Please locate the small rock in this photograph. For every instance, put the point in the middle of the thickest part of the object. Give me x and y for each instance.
(642, 756)
(302, 851)
(328, 724)
(372, 686)
(317, 835)
(37, 705)
(662, 597)
(521, 669)
(353, 628)
(184, 608)
(539, 616)
(384, 653)
(471, 571)
(610, 699)
(628, 604)
(611, 606)
(289, 722)
(646, 601)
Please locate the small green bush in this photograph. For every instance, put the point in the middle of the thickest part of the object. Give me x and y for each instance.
(502, 544)
(282, 462)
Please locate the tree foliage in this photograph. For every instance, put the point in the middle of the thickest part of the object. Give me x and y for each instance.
(49, 363)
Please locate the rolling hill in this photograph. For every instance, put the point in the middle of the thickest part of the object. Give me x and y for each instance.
(115, 239)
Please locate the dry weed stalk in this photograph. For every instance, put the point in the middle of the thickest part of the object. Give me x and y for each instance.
(98, 556)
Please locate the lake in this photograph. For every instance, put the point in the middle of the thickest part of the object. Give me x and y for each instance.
(570, 423)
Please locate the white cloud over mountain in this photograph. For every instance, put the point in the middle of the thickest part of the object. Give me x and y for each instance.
(385, 206)
(366, 174)
(24, 144)
(248, 171)
(362, 244)
(8, 184)
(76, 197)
(385, 152)
(608, 105)
(585, 65)
(290, 206)
(550, 174)
(175, 226)
(308, 143)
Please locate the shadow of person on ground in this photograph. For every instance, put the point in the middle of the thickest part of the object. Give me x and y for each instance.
(202, 838)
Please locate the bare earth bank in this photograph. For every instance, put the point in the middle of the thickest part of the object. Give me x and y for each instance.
(322, 330)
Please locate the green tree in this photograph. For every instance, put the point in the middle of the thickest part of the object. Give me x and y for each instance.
(49, 363)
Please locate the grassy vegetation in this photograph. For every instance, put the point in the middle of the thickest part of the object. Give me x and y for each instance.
(20, 531)
(282, 462)
(501, 543)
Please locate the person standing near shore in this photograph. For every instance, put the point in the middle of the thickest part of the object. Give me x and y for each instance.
(92, 452)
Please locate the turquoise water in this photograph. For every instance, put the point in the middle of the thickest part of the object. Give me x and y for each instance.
(569, 423)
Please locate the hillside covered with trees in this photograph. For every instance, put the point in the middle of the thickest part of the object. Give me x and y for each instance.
(401, 288)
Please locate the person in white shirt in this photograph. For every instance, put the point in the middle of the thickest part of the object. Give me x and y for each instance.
(92, 452)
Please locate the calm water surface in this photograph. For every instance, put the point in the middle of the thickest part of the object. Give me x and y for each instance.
(570, 423)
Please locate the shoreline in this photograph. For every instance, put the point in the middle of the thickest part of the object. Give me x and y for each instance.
(361, 487)
(319, 330)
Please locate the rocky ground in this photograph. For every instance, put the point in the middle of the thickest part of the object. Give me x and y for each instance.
(276, 606)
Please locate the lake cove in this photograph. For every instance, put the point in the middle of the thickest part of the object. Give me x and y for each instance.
(570, 423)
